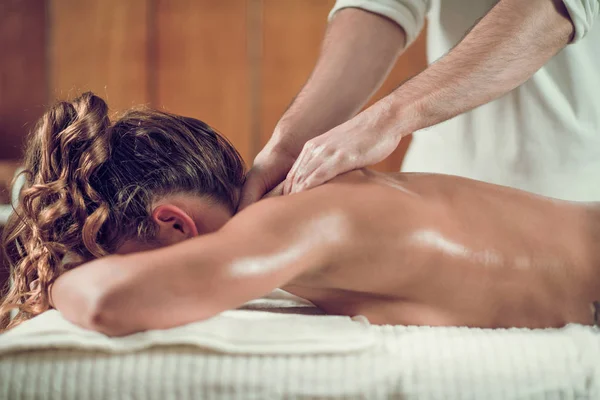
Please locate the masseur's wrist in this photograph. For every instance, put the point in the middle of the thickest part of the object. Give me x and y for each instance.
(402, 115)
(279, 152)
(390, 118)
(289, 139)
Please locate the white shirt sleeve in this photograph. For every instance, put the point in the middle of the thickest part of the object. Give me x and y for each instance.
(583, 13)
(409, 14)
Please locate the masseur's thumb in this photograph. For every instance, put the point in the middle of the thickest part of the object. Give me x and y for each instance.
(254, 188)
(270, 168)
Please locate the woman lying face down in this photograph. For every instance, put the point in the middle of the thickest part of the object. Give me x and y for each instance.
(97, 187)
(151, 197)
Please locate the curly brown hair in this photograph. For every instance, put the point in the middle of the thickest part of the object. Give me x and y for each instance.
(90, 187)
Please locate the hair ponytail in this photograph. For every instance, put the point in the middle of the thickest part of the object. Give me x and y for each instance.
(59, 212)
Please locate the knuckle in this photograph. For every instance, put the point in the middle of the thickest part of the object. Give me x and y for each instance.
(339, 156)
(305, 185)
(318, 176)
(329, 151)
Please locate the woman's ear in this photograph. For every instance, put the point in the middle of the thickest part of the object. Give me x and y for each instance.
(174, 224)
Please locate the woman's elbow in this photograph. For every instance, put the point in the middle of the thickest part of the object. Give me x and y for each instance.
(88, 309)
(102, 316)
(89, 302)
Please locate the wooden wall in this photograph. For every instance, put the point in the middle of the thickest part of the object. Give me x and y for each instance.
(234, 63)
(23, 68)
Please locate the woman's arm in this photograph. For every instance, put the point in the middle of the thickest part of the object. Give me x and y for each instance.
(193, 280)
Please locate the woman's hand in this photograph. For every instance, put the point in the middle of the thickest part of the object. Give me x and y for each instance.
(360, 142)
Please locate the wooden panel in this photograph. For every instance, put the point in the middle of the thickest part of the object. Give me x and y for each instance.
(292, 35)
(23, 89)
(100, 46)
(4, 270)
(202, 64)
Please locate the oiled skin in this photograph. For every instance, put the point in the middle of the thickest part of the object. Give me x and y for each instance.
(413, 249)
(545, 263)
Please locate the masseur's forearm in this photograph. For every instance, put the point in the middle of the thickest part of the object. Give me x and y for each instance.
(502, 51)
(357, 54)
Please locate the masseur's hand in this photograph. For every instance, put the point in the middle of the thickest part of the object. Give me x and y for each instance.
(358, 51)
(362, 141)
(265, 177)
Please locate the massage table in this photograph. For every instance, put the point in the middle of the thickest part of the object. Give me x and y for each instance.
(282, 347)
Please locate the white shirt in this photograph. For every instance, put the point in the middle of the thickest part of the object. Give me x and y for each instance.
(543, 137)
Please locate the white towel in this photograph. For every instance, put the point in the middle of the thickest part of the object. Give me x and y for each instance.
(247, 331)
(285, 302)
(405, 363)
(256, 354)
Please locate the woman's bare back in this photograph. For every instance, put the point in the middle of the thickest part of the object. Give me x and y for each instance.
(430, 249)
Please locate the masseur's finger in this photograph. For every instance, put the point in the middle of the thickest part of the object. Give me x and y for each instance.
(287, 184)
(323, 158)
(306, 162)
(304, 171)
(270, 169)
(291, 175)
(326, 171)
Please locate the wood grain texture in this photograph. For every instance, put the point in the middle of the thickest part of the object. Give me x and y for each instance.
(99, 46)
(23, 88)
(202, 66)
(292, 35)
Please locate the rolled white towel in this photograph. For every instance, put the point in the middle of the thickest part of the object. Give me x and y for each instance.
(236, 331)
